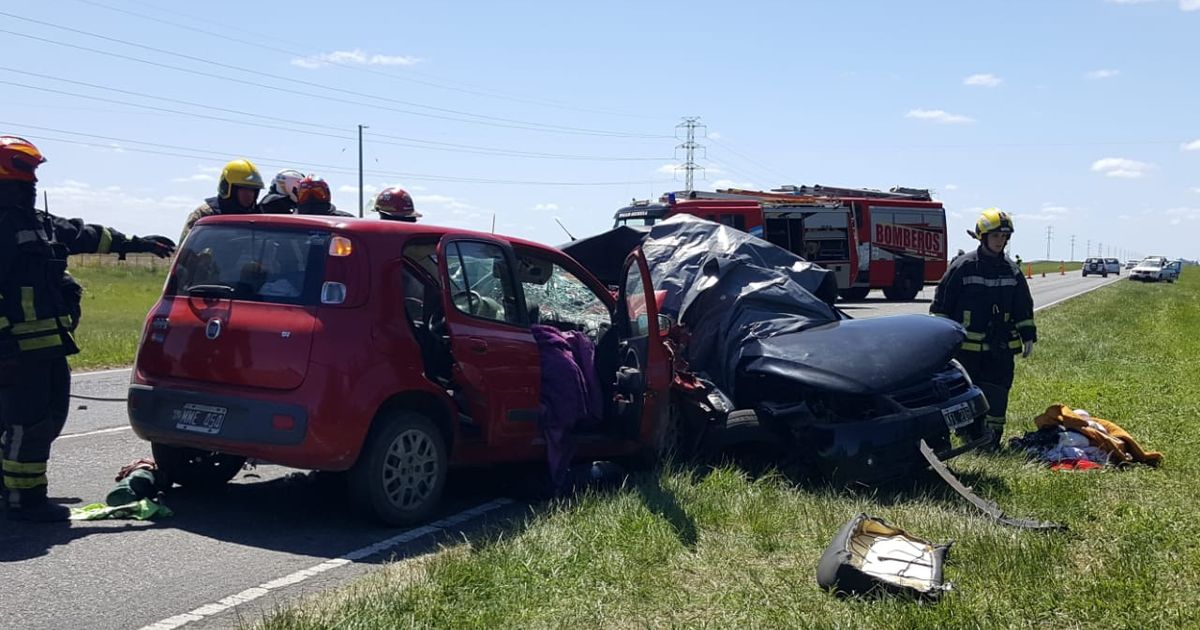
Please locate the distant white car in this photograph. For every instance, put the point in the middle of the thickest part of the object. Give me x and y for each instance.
(1099, 266)
(1150, 270)
(1130, 264)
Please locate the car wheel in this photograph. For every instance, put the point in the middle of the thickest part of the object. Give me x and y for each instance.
(194, 468)
(401, 471)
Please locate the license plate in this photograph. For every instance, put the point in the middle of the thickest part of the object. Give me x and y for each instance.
(958, 416)
(199, 418)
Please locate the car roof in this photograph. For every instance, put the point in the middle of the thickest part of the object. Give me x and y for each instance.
(355, 225)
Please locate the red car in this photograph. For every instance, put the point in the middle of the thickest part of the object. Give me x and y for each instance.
(330, 344)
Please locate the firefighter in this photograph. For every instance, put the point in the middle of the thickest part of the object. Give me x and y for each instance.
(986, 292)
(39, 310)
(281, 197)
(313, 197)
(237, 192)
(395, 204)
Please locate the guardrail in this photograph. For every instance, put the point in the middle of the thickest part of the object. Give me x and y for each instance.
(144, 261)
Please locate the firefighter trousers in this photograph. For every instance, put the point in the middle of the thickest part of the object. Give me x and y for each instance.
(993, 373)
(33, 410)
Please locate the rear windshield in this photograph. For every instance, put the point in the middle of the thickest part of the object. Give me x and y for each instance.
(251, 264)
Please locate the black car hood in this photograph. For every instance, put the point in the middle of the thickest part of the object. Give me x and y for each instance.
(863, 356)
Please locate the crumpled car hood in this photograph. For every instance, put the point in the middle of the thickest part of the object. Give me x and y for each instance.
(863, 356)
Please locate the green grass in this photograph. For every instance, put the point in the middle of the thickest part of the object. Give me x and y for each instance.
(115, 302)
(674, 548)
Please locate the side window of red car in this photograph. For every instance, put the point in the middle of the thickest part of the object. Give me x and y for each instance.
(481, 281)
(635, 303)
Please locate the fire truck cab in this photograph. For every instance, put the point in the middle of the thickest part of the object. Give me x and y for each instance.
(870, 239)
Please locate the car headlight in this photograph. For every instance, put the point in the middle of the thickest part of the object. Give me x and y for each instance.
(962, 370)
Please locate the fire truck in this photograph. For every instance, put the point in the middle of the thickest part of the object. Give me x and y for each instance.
(890, 240)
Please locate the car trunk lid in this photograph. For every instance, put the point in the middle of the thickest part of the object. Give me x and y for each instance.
(239, 308)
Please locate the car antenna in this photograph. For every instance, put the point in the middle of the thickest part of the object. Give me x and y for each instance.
(493, 223)
(564, 228)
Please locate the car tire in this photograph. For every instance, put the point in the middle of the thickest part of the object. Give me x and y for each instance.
(401, 471)
(905, 289)
(194, 468)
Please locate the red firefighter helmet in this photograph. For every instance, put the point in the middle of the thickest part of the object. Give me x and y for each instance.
(18, 159)
(395, 203)
(312, 189)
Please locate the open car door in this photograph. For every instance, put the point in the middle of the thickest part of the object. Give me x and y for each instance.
(496, 364)
(644, 376)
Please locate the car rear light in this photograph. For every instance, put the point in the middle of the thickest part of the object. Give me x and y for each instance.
(281, 422)
(340, 246)
(333, 293)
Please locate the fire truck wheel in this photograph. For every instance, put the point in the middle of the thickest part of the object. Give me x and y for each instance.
(854, 293)
(906, 288)
(401, 471)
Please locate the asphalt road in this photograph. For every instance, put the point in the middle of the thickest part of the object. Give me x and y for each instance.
(273, 536)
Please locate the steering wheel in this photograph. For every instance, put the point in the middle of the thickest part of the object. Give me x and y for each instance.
(473, 300)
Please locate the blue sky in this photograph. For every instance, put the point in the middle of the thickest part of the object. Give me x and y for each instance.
(1080, 115)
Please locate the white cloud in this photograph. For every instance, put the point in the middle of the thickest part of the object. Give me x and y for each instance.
(729, 183)
(983, 80)
(715, 135)
(1121, 167)
(667, 169)
(938, 116)
(1194, 145)
(1106, 73)
(546, 206)
(1183, 213)
(353, 57)
(113, 207)
(1189, 5)
(950, 187)
(1196, 189)
(444, 201)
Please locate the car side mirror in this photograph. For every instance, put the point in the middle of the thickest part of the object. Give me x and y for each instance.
(665, 322)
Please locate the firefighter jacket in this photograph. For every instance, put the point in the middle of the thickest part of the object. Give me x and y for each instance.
(215, 205)
(39, 300)
(988, 295)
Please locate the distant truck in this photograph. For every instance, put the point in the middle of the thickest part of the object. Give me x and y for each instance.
(870, 239)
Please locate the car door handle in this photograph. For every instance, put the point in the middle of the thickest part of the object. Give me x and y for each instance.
(477, 345)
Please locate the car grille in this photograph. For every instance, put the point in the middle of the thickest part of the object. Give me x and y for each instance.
(942, 387)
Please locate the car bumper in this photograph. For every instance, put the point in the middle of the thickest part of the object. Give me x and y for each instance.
(245, 427)
(886, 449)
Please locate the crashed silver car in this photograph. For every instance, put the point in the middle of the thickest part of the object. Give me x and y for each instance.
(754, 325)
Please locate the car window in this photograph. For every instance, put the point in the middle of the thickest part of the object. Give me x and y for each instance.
(257, 265)
(481, 282)
(557, 297)
(635, 303)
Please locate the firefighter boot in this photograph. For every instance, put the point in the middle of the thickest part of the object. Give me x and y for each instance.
(32, 505)
(994, 426)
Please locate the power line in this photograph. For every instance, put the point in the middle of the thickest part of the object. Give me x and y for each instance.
(348, 66)
(209, 154)
(408, 142)
(457, 116)
(767, 169)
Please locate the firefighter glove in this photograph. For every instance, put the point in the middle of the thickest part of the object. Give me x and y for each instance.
(1027, 349)
(160, 246)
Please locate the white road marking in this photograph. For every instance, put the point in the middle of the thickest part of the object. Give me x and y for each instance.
(291, 579)
(1074, 295)
(96, 432)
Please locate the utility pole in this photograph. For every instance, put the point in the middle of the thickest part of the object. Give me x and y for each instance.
(1072, 247)
(1049, 235)
(1100, 249)
(360, 179)
(1089, 249)
(690, 123)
